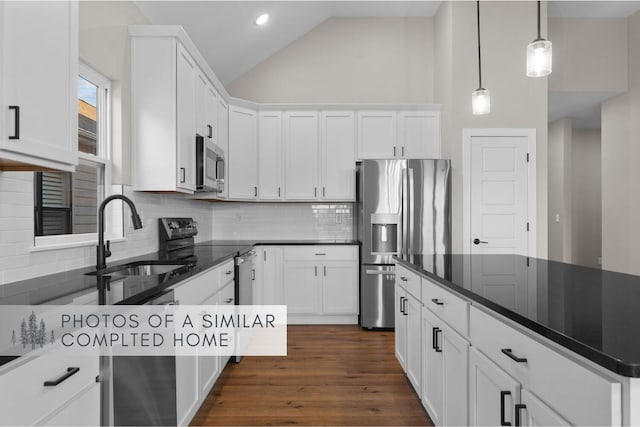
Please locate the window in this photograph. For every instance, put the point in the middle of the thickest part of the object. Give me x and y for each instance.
(66, 204)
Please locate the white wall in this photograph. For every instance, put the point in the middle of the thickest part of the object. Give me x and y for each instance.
(517, 101)
(346, 60)
(589, 54)
(559, 190)
(586, 197)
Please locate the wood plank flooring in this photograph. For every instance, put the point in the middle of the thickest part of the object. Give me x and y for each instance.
(333, 375)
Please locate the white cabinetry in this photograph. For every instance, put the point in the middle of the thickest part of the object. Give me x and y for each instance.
(270, 155)
(242, 159)
(337, 155)
(187, 73)
(222, 140)
(269, 274)
(320, 284)
(301, 155)
(38, 88)
(403, 134)
(408, 321)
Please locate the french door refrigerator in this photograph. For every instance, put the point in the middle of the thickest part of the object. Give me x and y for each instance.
(403, 207)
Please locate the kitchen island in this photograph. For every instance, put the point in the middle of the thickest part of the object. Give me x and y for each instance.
(531, 334)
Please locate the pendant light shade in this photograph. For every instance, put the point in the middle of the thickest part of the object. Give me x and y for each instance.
(480, 99)
(539, 63)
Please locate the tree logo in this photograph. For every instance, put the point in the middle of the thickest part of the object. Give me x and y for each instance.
(32, 333)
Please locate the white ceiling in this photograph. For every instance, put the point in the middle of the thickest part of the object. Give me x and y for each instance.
(232, 44)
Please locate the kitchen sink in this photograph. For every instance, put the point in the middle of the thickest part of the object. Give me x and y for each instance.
(140, 268)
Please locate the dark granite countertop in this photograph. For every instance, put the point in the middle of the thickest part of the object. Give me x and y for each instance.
(282, 242)
(595, 313)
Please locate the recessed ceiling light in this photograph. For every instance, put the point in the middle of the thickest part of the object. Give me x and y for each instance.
(262, 19)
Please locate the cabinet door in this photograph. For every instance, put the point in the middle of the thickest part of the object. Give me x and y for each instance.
(302, 287)
(414, 348)
(223, 140)
(492, 393)
(337, 155)
(272, 289)
(377, 135)
(211, 113)
(270, 155)
(200, 99)
(301, 155)
(186, 114)
(533, 412)
(208, 366)
(242, 159)
(83, 410)
(419, 134)
(340, 287)
(455, 350)
(186, 388)
(400, 326)
(432, 367)
(39, 48)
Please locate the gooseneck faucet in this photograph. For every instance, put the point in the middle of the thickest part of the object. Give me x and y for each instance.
(103, 251)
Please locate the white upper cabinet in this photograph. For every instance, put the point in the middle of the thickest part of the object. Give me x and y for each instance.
(242, 159)
(377, 135)
(211, 113)
(187, 74)
(419, 134)
(337, 155)
(270, 155)
(38, 89)
(404, 134)
(301, 155)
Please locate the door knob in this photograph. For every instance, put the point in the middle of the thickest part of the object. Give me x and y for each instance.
(477, 241)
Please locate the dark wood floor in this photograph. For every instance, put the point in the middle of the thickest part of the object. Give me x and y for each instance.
(333, 375)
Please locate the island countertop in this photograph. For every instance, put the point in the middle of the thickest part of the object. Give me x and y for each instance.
(594, 313)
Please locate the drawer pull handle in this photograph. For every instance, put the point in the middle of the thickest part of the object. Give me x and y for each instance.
(228, 272)
(321, 253)
(519, 408)
(509, 353)
(404, 307)
(401, 305)
(404, 279)
(228, 300)
(434, 338)
(436, 301)
(70, 372)
(503, 394)
(16, 131)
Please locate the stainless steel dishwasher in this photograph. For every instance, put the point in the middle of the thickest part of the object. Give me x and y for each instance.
(245, 278)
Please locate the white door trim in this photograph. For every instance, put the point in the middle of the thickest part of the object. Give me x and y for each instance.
(467, 135)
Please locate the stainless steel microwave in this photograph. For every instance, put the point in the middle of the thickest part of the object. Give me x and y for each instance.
(209, 166)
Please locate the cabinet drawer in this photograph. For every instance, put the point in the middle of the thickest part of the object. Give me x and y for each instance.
(580, 395)
(446, 305)
(198, 288)
(226, 272)
(409, 280)
(227, 295)
(24, 399)
(321, 253)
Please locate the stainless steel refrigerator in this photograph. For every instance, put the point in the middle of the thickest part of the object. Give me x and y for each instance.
(403, 207)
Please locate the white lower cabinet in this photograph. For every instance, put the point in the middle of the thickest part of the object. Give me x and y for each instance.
(272, 288)
(83, 410)
(408, 327)
(302, 287)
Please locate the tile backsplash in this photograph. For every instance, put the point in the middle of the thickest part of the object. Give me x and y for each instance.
(19, 260)
(323, 221)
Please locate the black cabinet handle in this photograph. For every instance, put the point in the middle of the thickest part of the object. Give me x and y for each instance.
(253, 274)
(403, 151)
(183, 174)
(210, 129)
(434, 331)
(70, 372)
(228, 272)
(477, 241)
(436, 347)
(255, 191)
(320, 253)
(16, 131)
(436, 301)
(519, 408)
(404, 307)
(394, 151)
(503, 394)
(278, 191)
(401, 310)
(509, 353)
(404, 279)
(324, 269)
(228, 300)
(324, 192)
(315, 191)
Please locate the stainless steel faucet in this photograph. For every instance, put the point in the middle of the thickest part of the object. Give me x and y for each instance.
(103, 251)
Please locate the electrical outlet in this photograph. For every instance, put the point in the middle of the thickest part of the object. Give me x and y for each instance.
(338, 219)
(557, 217)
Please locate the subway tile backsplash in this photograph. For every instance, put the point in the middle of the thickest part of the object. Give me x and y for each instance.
(220, 220)
(322, 221)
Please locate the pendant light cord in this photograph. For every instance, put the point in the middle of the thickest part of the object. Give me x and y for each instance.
(539, 36)
(479, 57)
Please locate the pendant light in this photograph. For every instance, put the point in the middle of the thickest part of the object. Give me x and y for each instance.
(480, 98)
(539, 55)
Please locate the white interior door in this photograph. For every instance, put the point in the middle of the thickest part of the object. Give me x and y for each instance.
(498, 191)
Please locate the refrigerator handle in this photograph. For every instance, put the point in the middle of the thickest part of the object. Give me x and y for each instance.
(411, 212)
(405, 211)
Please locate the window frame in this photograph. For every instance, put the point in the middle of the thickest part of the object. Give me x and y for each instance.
(101, 159)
